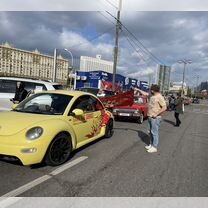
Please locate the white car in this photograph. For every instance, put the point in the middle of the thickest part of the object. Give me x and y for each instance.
(8, 87)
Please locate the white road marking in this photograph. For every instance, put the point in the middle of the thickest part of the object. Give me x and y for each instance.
(7, 202)
(41, 179)
(68, 165)
(27, 186)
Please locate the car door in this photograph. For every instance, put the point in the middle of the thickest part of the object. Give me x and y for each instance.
(86, 128)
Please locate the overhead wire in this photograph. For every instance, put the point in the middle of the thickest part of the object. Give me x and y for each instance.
(113, 5)
(142, 46)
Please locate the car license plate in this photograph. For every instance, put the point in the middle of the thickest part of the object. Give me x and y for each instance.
(124, 114)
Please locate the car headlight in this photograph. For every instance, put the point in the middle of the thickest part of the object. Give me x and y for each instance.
(34, 133)
(114, 110)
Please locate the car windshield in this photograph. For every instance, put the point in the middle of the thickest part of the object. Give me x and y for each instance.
(138, 100)
(48, 104)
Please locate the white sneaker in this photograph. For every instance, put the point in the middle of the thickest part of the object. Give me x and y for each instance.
(147, 147)
(152, 150)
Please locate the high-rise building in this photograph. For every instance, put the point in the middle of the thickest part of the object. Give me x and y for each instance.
(21, 63)
(163, 77)
(88, 64)
(203, 86)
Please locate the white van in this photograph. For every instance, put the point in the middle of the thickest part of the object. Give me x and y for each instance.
(8, 87)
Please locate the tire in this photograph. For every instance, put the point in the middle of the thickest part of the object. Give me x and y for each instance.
(59, 150)
(141, 118)
(109, 129)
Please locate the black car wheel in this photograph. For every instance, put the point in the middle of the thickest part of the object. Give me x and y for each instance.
(109, 129)
(59, 150)
(141, 118)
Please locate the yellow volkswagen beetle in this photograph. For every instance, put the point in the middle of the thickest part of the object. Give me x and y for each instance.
(48, 126)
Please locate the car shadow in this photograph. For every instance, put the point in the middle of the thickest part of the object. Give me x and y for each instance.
(13, 162)
(73, 154)
(169, 121)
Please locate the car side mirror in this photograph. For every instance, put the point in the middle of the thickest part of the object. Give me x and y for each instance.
(77, 113)
(14, 106)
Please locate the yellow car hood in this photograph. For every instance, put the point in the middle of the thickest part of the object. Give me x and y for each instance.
(13, 122)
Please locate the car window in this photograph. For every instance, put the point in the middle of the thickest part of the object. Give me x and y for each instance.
(29, 86)
(58, 87)
(50, 104)
(7, 86)
(40, 87)
(138, 100)
(87, 103)
(36, 87)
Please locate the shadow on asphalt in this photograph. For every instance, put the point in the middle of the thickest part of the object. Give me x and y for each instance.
(41, 165)
(144, 137)
(169, 121)
(13, 162)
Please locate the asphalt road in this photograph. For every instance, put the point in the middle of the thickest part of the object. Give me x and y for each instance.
(120, 166)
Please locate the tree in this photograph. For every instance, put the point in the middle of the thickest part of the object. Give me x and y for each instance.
(189, 92)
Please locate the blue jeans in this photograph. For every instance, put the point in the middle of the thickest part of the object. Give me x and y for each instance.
(154, 131)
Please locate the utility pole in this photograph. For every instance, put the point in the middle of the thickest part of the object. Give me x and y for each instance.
(115, 60)
(185, 62)
(55, 65)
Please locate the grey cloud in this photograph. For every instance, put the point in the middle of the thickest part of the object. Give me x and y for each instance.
(169, 35)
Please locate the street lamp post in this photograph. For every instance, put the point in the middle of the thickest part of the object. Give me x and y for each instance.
(72, 64)
(197, 83)
(185, 62)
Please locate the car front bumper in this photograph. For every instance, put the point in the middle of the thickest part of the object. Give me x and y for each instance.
(28, 154)
(126, 114)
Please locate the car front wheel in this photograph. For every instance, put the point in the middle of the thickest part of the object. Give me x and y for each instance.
(59, 150)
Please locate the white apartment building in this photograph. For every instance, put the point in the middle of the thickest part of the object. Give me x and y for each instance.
(88, 64)
(21, 63)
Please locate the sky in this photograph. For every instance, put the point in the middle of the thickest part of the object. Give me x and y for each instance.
(168, 35)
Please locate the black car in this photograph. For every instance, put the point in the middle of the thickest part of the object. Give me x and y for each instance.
(195, 100)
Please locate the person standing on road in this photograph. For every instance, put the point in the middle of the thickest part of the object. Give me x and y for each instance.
(172, 103)
(156, 107)
(178, 109)
(20, 93)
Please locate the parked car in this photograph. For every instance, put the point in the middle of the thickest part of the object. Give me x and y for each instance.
(137, 111)
(48, 126)
(195, 100)
(8, 87)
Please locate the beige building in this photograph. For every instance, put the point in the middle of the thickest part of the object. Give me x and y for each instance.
(88, 64)
(176, 87)
(21, 63)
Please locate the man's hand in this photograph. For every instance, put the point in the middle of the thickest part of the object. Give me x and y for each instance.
(163, 109)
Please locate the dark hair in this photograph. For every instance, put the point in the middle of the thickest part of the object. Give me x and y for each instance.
(155, 88)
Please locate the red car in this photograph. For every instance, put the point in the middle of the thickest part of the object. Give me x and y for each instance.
(137, 111)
